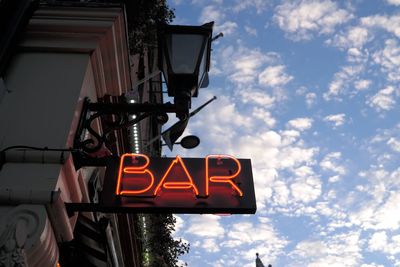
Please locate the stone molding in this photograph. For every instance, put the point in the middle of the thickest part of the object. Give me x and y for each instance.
(26, 238)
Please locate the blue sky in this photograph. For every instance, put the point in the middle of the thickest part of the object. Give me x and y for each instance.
(309, 91)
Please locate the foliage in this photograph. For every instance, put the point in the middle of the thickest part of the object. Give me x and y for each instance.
(143, 17)
(162, 248)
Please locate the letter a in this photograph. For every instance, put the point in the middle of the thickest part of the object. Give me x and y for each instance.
(178, 162)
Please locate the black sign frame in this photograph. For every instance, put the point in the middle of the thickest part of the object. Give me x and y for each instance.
(215, 203)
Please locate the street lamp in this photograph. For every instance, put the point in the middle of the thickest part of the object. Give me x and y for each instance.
(185, 61)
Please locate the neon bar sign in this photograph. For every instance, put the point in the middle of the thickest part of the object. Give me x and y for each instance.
(214, 184)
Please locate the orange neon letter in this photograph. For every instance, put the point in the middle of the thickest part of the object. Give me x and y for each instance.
(139, 170)
(177, 185)
(222, 179)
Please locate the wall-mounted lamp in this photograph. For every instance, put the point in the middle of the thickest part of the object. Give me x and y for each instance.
(184, 61)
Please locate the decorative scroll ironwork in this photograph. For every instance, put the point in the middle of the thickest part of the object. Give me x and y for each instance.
(116, 117)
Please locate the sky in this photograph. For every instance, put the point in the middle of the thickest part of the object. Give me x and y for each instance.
(309, 90)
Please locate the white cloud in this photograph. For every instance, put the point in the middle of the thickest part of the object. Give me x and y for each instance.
(263, 182)
(301, 90)
(389, 59)
(354, 37)
(334, 179)
(250, 30)
(355, 55)
(380, 211)
(206, 226)
(259, 5)
(357, 37)
(339, 250)
(388, 215)
(393, 2)
(177, 2)
(210, 245)
(261, 235)
(362, 84)
(247, 63)
(371, 265)
(303, 171)
(300, 124)
(336, 119)
(222, 121)
(335, 88)
(394, 144)
(289, 137)
(378, 241)
(306, 189)
(388, 23)
(341, 80)
(381, 182)
(211, 13)
(265, 116)
(274, 76)
(281, 193)
(381, 242)
(302, 18)
(179, 224)
(227, 28)
(383, 100)
(310, 99)
(389, 137)
(217, 14)
(240, 234)
(263, 148)
(293, 156)
(330, 163)
(257, 97)
(248, 68)
(358, 58)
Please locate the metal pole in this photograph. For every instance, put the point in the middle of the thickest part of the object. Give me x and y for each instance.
(145, 79)
(132, 108)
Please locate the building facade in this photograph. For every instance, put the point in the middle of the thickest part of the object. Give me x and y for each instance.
(66, 54)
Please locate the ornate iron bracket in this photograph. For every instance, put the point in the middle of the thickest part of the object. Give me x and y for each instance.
(117, 115)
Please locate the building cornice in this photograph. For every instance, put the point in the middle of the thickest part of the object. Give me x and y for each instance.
(100, 32)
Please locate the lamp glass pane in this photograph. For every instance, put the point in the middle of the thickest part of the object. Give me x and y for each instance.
(164, 68)
(203, 65)
(183, 51)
